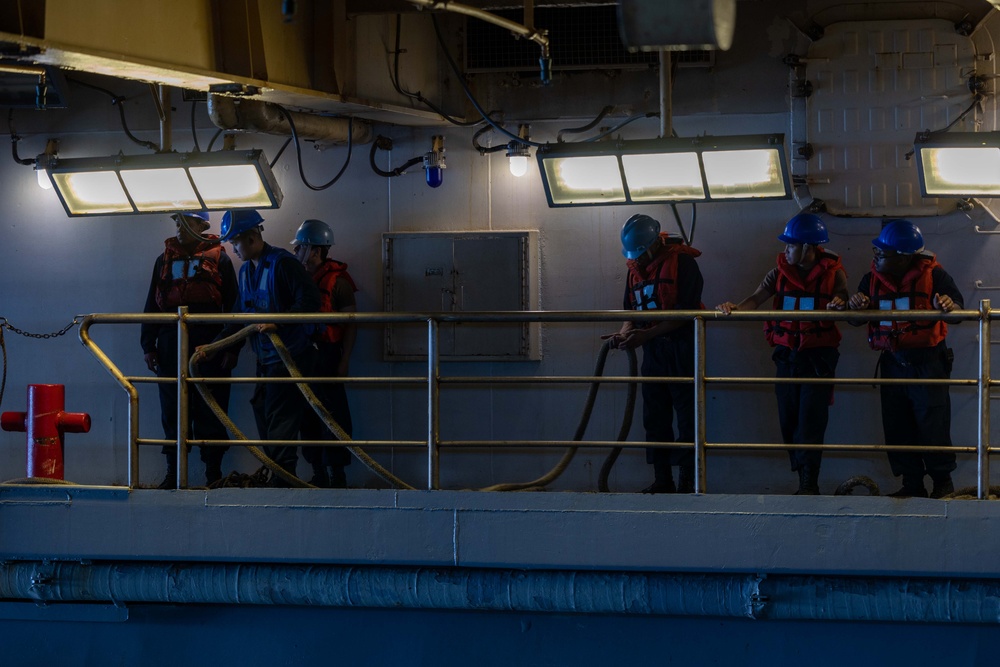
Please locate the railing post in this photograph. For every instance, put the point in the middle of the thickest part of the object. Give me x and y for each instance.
(183, 420)
(433, 399)
(700, 476)
(983, 443)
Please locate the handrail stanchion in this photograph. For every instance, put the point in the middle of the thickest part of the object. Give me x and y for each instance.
(700, 422)
(183, 419)
(133, 398)
(983, 444)
(433, 407)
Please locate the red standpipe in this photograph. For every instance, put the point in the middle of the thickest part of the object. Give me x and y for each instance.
(45, 422)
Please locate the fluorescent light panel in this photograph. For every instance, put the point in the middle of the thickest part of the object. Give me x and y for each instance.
(665, 170)
(164, 182)
(959, 164)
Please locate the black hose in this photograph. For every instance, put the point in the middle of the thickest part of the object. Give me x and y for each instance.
(298, 152)
(589, 126)
(483, 150)
(385, 143)
(117, 100)
(194, 130)
(417, 96)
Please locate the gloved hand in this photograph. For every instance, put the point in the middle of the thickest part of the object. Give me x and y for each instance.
(152, 361)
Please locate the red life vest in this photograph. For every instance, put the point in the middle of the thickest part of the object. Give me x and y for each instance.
(654, 286)
(915, 291)
(326, 277)
(792, 292)
(190, 278)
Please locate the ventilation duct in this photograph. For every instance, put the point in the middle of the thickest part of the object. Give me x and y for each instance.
(245, 115)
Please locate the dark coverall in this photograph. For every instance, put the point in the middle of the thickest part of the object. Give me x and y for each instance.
(277, 283)
(804, 409)
(162, 339)
(918, 414)
(333, 396)
(671, 355)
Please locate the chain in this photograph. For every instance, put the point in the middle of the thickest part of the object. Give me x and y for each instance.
(4, 324)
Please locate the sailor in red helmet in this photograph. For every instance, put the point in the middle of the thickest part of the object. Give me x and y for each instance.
(194, 271)
(662, 275)
(904, 276)
(807, 277)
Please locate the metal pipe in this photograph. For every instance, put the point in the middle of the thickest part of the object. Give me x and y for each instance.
(536, 36)
(246, 115)
(166, 130)
(183, 416)
(700, 408)
(983, 445)
(666, 96)
(133, 399)
(433, 406)
(753, 596)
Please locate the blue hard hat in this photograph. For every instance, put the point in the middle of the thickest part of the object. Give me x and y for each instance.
(313, 232)
(235, 223)
(805, 228)
(900, 235)
(638, 233)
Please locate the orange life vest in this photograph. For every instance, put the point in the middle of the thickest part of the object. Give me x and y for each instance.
(814, 292)
(190, 278)
(654, 287)
(326, 277)
(915, 291)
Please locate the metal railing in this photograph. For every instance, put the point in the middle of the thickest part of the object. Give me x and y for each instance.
(434, 380)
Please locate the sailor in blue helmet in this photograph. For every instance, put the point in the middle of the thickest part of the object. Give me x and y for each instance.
(807, 277)
(662, 275)
(194, 271)
(335, 342)
(272, 280)
(904, 276)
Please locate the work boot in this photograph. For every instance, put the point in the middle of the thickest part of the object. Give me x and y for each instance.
(808, 482)
(943, 486)
(913, 487)
(663, 481)
(338, 478)
(685, 479)
(169, 480)
(213, 473)
(320, 478)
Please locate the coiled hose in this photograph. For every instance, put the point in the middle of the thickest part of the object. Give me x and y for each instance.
(311, 398)
(370, 463)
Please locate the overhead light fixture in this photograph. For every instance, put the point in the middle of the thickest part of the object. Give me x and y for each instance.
(647, 171)
(163, 182)
(958, 164)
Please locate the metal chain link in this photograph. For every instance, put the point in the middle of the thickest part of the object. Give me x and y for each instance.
(4, 324)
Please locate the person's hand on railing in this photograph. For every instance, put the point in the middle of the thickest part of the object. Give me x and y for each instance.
(152, 361)
(944, 303)
(200, 355)
(859, 302)
(836, 303)
(727, 307)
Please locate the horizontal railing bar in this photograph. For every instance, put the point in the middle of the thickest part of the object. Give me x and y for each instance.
(531, 316)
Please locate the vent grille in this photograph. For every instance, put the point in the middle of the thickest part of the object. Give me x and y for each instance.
(581, 38)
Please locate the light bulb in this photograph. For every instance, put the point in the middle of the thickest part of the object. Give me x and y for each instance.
(43, 179)
(518, 165)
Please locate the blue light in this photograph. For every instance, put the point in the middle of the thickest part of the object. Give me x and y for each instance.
(434, 176)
